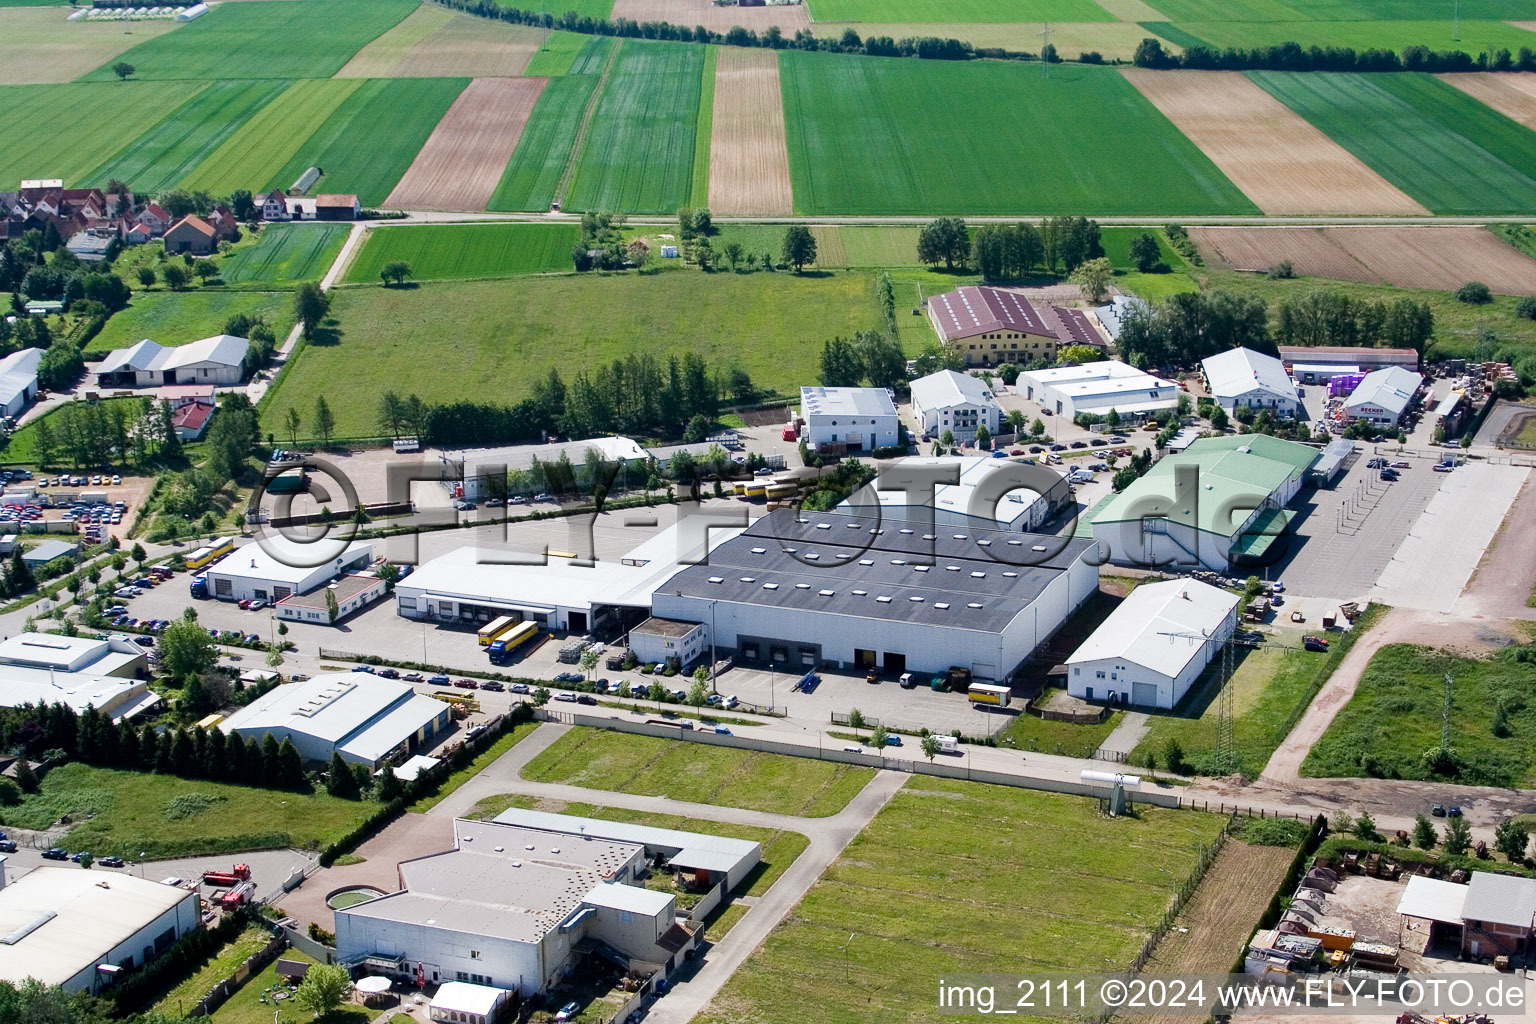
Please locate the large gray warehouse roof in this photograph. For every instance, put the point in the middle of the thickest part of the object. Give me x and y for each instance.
(859, 565)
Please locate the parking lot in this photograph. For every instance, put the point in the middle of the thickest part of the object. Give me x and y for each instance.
(57, 499)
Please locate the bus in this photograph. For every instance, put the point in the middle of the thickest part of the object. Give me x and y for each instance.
(213, 552)
(493, 629)
(511, 640)
(991, 696)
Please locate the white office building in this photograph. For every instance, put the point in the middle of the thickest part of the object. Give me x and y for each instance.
(860, 419)
(658, 641)
(1241, 376)
(1098, 388)
(276, 568)
(1383, 396)
(956, 402)
(79, 672)
(18, 381)
(1152, 648)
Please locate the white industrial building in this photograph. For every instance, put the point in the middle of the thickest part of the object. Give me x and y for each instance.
(1098, 388)
(79, 672)
(1383, 396)
(1153, 647)
(366, 719)
(478, 473)
(658, 641)
(18, 381)
(983, 495)
(858, 419)
(352, 593)
(276, 567)
(514, 908)
(218, 360)
(799, 590)
(1241, 376)
(956, 402)
(81, 930)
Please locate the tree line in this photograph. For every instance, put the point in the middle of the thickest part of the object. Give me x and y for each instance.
(1010, 252)
(1290, 56)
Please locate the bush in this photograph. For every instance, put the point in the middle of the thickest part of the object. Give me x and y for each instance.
(1474, 293)
(1526, 308)
(1282, 271)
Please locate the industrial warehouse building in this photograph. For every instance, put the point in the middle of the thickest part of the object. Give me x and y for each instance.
(800, 590)
(218, 360)
(18, 381)
(1242, 376)
(855, 419)
(479, 473)
(1219, 504)
(954, 402)
(80, 931)
(1383, 396)
(1153, 647)
(1315, 364)
(515, 908)
(80, 672)
(978, 498)
(366, 719)
(277, 567)
(1097, 388)
(990, 326)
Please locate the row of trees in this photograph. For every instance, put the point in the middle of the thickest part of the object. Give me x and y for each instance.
(1010, 252)
(1291, 56)
(1329, 317)
(869, 357)
(134, 431)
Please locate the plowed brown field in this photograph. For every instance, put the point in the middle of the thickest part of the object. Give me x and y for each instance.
(1310, 251)
(1282, 163)
(461, 163)
(748, 158)
(789, 17)
(1510, 93)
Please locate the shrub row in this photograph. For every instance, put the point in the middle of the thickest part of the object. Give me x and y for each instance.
(145, 986)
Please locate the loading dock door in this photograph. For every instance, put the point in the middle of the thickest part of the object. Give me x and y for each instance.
(1144, 695)
(578, 621)
(896, 663)
(863, 658)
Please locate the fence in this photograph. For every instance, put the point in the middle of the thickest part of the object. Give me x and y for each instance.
(1083, 716)
(304, 944)
(700, 910)
(1186, 890)
(226, 988)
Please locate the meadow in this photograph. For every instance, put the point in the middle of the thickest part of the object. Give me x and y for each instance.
(698, 772)
(1446, 150)
(1332, 10)
(282, 39)
(703, 129)
(585, 8)
(285, 253)
(959, 877)
(846, 115)
(169, 151)
(371, 137)
(1475, 36)
(438, 252)
(556, 54)
(91, 111)
(40, 44)
(958, 10)
(495, 338)
(639, 150)
(175, 318)
(543, 150)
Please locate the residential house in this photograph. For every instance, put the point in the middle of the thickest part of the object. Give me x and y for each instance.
(274, 206)
(191, 420)
(154, 218)
(956, 402)
(226, 226)
(191, 235)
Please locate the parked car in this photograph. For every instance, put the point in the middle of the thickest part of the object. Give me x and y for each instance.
(586, 698)
(413, 677)
(567, 1011)
(1315, 643)
(1453, 811)
(1116, 439)
(520, 688)
(7, 846)
(438, 680)
(1035, 449)
(57, 853)
(1058, 447)
(466, 684)
(80, 856)
(543, 497)
(1402, 464)
(568, 677)
(731, 702)
(493, 686)
(387, 673)
(1376, 463)
(111, 862)
(299, 677)
(258, 604)
(1390, 475)
(1079, 444)
(362, 668)
(569, 698)
(1437, 810)
(494, 503)
(1098, 442)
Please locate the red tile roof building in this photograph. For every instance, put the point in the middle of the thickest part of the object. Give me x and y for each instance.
(991, 326)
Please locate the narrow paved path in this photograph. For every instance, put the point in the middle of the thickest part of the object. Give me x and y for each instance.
(1133, 726)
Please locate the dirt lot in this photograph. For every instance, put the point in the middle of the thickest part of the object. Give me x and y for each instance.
(748, 158)
(471, 46)
(1310, 251)
(1276, 157)
(789, 18)
(1511, 94)
(461, 163)
(1440, 258)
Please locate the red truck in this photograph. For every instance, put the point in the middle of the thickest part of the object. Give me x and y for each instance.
(241, 873)
(239, 896)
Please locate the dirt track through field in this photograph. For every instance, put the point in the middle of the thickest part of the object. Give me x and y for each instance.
(748, 158)
(1279, 160)
(789, 17)
(461, 163)
(1510, 93)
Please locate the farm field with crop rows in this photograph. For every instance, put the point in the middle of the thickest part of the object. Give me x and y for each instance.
(441, 251)
(285, 253)
(533, 173)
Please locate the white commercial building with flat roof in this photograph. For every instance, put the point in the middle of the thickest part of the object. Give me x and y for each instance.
(862, 419)
(1153, 647)
(956, 402)
(1383, 396)
(976, 498)
(81, 929)
(1241, 376)
(276, 568)
(1097, 388)
(79, 672)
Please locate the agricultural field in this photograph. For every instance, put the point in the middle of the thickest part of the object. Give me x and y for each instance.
(593, 56)
(1280, 161)
(462, 161)
(37, 44)
(533, 172)
(169, 151)
(703, 129)
(1117, 247)
(472, 47)
(1476, 36)
(92, 111)
(788, 18)
(498, 337)
(277, 39)
(285, 253)
(639, 149)
(1511, 94)
(697, 772)
(845, 116)
(1395, 716)
(379, 58)
(372, 137)
(1111, 39)
(254, 156)
(748, 164)
(959, 10)
(556, 53)
(175, 318)
(938, 884)
(440, 252)
(1443, 148)
(586, 8)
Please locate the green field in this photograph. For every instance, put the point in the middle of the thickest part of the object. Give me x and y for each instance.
(124, 813)
(494, 338)
(1335, 10)
(168, 152)
(592, 56)
(439, 252)
(274, 39)
(1476, 36)
(533, 173)
(371, 138)
(958, 877)
(871, 135)
(1394, 717)
(879, 247)
(1117, 247)
(699, 192)
(556, 54)
(639, 150)
(958, 10)
(1443, 148)
(285, 253)
(585, 8)
(175, 318)
(697, 772)
(92, 112)
(215, 967)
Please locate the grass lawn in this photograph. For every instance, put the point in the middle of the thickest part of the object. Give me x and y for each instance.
(779, 848)
(1395, 716)
(697, 772)
(1117, 247)
(1330, 10)
(958, 10)
(285, 253)
(1443, 148)
(175, 318)
(246, 1006)
(371, 137)
(722, 920)
(441, 251)
(293, 39)
(1154, 287)
(1271, 686)
(954, 876)
(544, 148)
(494, 338)
(1030, 733)
(639, 151)
(215, 968)
(556, 54)
(463, 775)
(844, 113)
(124, 813)
(879, 246)
(92, 112)
(21, 449)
